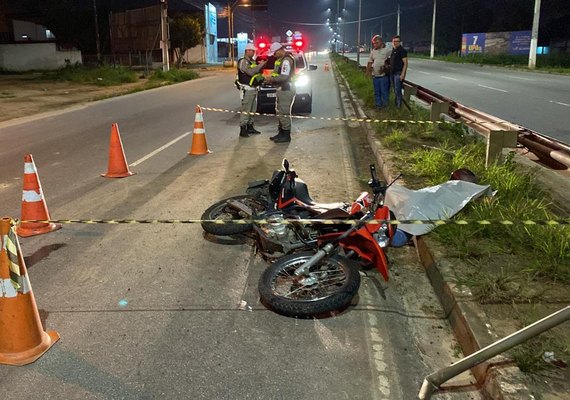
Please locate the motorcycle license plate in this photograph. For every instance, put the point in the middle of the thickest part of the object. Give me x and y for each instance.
(271, 94)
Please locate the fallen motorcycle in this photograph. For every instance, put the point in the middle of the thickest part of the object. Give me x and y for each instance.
(284, 197)
(325, 279)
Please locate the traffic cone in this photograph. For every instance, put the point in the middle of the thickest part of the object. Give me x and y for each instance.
(117, 167)
(326, 67)
(22, 338)
(33, 204)
(199, 145)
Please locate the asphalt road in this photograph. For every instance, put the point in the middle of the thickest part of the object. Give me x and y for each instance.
(158, 311)
(535, 100)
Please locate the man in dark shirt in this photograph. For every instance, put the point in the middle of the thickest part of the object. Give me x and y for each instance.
(398, 68)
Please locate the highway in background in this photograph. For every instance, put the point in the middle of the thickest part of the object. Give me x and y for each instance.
(535, 100)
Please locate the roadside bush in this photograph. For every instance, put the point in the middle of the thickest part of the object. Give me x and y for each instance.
(174, 75)
(101, 76)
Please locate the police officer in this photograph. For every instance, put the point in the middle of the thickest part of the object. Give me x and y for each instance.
(248, 79)
(283, 79)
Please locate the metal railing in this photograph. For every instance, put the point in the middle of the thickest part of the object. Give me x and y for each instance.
(433, 381)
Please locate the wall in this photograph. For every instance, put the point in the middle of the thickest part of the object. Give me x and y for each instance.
(40, 56)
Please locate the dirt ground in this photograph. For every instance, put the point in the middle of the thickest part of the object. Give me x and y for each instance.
(28, 95)
(25, 95)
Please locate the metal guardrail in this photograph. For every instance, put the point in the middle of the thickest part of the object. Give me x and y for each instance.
(433, 381)
(499, 133)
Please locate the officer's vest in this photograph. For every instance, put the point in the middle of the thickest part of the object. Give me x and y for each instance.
(277, 71)
(245, 79)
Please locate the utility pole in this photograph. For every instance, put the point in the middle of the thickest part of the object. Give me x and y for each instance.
(97, 40)
(432, 51)
(358, 35)
(398, 21)
(164, 35)
(534, 35)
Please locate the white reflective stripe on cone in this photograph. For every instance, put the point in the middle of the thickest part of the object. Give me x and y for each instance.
(199, 130)
(30, 168)
(31, 196)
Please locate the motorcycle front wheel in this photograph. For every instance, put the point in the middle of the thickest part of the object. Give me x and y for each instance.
(328, 286)
(226, 214)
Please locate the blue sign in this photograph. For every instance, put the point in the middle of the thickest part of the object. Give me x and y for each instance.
(211, 38)
(473, 43)
(519, 42)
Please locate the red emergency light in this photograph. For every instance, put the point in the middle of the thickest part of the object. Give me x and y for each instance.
(298, 44)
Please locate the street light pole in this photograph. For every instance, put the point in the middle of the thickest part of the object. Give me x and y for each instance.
(97, 40)
(432, 50)
(358, 34)
(534, 35)
(398, 21)
(164, 35)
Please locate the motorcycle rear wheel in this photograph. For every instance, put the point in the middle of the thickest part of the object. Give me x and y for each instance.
(223, 212)
(330, 285)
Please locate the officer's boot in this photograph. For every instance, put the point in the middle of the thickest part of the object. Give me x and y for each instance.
(243, 131)
(279, 133)
(283, 137)
(251, 130)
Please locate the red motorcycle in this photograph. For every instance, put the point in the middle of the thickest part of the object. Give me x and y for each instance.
(283, 197)
(312, 283)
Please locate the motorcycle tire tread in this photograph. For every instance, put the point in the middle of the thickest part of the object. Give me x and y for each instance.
(310, 308)
(224, 229)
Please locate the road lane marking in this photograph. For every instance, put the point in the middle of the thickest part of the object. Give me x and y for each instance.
(520, 77)
(425, 73)
(558, 102)
(149, 155)
(448, 77)
(492, 88)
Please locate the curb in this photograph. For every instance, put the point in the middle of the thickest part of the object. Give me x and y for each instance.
(499, 379)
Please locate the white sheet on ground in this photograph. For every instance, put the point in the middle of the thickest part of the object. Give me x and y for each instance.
(434, 202)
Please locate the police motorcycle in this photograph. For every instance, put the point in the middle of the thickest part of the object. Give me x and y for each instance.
(326, 277)
(278, 204)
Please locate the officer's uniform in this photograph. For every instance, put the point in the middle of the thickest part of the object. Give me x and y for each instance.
(248, 79)
(283, 78)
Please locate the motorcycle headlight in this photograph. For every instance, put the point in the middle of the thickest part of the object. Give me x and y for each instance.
(302, 81)
(382, 239)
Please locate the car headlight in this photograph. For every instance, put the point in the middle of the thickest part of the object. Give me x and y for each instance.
(302, 80)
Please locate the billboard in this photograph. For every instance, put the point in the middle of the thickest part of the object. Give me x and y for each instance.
(517, 42)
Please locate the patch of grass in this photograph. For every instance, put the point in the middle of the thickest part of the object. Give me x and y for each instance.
(101, 76)
(174, 75)
(395, 139)
(428, 155)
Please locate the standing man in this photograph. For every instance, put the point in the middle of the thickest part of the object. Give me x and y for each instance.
(282, 78)
(377, 69)
(248, 80)
(398, 68)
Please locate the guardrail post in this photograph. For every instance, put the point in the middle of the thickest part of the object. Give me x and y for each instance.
(409, 91)
(437, 108)
(496, 142)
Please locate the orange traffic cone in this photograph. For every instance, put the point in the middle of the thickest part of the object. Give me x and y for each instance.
(117, 167)
(33, 203)
(22, 338)
(199, 145)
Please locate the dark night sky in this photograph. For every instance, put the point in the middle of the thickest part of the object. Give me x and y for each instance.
(378, 16)
(454, 17)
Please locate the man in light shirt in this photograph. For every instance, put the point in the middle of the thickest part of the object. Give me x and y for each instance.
(377, 68)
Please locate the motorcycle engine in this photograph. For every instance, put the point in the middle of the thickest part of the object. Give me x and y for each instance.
(277, 236)
(277, 229)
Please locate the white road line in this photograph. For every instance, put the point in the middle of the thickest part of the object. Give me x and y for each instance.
(149, 155)
(492, 88)
(520, 77)
(558, 102)
(425, 73)
(448, 77)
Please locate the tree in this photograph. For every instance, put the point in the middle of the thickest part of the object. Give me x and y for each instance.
(185, 33)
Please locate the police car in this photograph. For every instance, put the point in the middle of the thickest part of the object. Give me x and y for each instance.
(267, 93)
